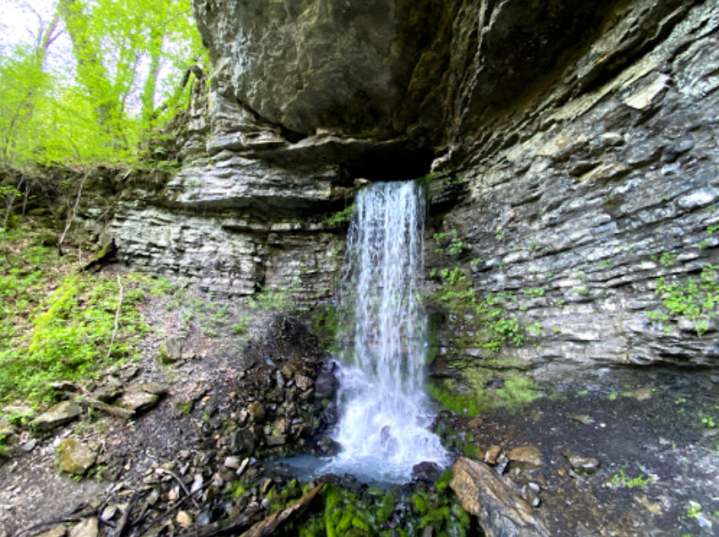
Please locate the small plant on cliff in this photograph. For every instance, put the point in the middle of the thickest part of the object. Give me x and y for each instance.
(449, 242)
(457, 295)
(345, 215)
(695, 299)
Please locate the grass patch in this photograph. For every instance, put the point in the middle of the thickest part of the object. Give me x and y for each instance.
(56, 323)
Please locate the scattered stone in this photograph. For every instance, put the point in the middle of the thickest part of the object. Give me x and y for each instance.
(184, 520)
(197, 484)
(530, 493)
(303, 383)
(490, 457)
(327, 447)
(257, 411)
(643, 394)
(129, 372)
(427, 471)
(326, 384)
(585, 465)
(476, 422)
(74, 456)
(653, 508)
(501, 511)
(170, 351)
(502, 463)
(155, 388)
(86, 528)
(110, 390)
(29, 445)
(138, 401)
(276, 440)
(281, 426)
(109, 512)
(525, 458)
(243, 442)
(582, 418)
(58, 415)
(243, 467)
(232, 463)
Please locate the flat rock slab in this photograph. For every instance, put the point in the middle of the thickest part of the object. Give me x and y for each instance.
(86, 528)
(138, 401)
(526, 457)
(58, 415)
(74, 456)
(57, 531)
(501, 511)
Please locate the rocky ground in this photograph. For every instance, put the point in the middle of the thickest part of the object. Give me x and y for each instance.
(178, 443)
(641, 458)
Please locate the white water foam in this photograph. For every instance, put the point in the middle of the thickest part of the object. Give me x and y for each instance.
(385, 411)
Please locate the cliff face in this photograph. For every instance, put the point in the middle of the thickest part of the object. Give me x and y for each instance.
(575, 147)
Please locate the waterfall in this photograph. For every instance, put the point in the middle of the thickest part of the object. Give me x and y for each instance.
(383, 428)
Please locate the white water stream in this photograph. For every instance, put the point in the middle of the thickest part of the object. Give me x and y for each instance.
(383, 428)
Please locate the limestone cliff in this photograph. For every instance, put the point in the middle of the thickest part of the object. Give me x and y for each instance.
(575, 147)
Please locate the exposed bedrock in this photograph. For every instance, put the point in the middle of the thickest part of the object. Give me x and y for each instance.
(575, 149)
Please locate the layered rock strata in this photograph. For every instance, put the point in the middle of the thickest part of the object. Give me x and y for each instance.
(580, 146)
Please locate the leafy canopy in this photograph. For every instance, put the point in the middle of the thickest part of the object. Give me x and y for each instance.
(97, 76)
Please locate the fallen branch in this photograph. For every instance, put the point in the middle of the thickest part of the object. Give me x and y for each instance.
(122, 524)
(225, 525)
(117, 317)
(177, 478)
(269, 525)
(113, 410)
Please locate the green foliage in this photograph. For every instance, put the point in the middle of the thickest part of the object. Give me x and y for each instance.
(340, 217)
(55, 325)
(518, 391)
(622, 480)
(534, 292)
(162, 286)
(694, 509)
(709, 422)
(71, 335)
(127, 61)
(240, 329)
(494, 327)
(449, 242)
(279, 299)
(693, 298)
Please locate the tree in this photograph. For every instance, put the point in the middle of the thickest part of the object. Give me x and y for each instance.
(126, 58)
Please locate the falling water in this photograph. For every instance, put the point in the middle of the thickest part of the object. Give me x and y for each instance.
(383, 429)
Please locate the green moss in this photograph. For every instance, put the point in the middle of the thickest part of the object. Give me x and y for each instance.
(518, 391)
(470, 397)
(325, 322)
(443, 481)
(470, 449)
(445, 393)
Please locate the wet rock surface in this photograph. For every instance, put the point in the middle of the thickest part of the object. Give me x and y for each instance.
(501, 511)
(634, 470)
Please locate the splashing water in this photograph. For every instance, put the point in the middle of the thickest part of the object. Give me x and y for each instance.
(383, 429)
